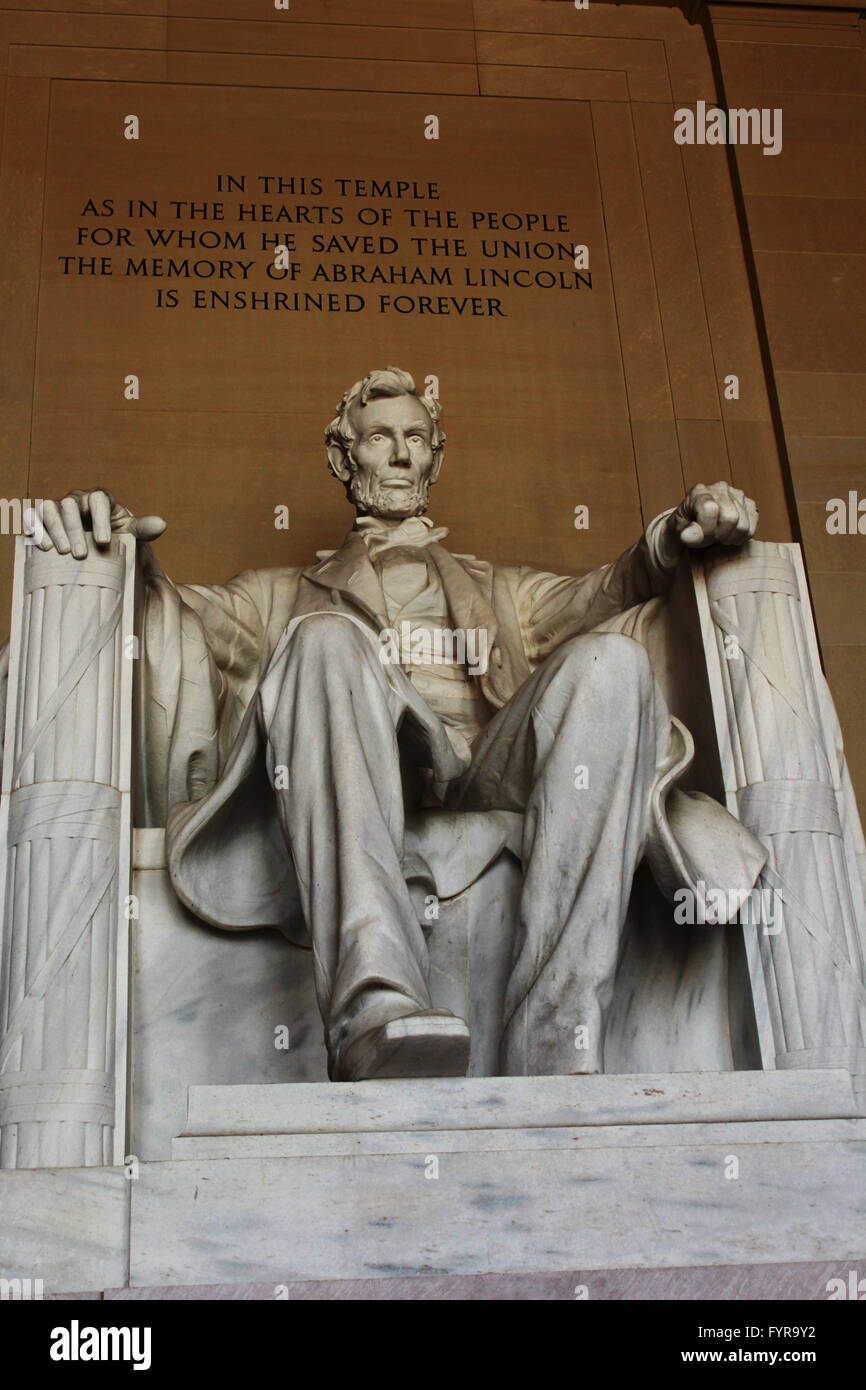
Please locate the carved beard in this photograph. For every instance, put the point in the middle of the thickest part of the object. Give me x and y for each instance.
(370, 499)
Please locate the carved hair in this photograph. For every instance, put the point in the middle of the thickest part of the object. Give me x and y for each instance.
(376, 384)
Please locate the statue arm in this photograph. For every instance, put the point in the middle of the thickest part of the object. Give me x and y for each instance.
(204, 648)
(233, 616)
(554, 608)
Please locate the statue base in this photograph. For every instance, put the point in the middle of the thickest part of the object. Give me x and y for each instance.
(678, 1186)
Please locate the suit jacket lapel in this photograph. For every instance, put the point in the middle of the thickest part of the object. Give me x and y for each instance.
(350, 571)
(467, 603)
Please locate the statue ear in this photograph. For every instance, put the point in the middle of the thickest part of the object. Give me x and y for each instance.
(338, 462)
(438, 460)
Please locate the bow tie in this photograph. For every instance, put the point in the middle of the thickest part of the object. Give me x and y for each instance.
(379, 535)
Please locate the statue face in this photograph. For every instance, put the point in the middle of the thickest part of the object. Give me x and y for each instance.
(392, 463)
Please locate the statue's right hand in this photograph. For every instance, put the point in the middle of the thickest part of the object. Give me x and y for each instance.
(61, 525)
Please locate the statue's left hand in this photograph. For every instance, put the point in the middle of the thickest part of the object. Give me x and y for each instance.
(709, 515)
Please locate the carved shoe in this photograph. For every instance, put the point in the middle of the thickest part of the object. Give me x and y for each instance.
(430, 1043)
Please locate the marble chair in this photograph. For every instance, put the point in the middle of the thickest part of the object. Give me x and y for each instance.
(116, 999)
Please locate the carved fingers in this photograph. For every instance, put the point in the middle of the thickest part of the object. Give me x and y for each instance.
(62, 525)
(715, 514)
(46, 525)
(100, 505)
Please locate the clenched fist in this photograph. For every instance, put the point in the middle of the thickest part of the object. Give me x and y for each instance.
(61, 525)
(709, 515)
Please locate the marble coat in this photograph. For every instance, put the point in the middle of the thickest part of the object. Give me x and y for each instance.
(207, 650)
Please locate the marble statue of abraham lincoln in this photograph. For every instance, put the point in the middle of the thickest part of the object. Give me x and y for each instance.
(285, 743)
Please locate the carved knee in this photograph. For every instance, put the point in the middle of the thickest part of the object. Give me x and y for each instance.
(334, 637)
(614, 662)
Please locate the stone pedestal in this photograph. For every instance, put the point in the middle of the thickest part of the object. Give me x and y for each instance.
(275, 1186)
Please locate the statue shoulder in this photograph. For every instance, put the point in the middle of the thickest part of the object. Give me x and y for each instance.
(274, 595)
(510, 576)
(265, 590)
(269, 580)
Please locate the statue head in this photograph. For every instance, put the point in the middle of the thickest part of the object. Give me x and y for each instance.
(386, 446)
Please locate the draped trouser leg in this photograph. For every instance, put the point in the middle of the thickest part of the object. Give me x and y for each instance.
(330, 715)
(577, 750)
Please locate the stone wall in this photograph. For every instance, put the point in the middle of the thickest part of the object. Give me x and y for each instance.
(612, 398)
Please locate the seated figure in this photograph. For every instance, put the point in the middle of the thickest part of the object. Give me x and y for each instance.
(295, 716)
